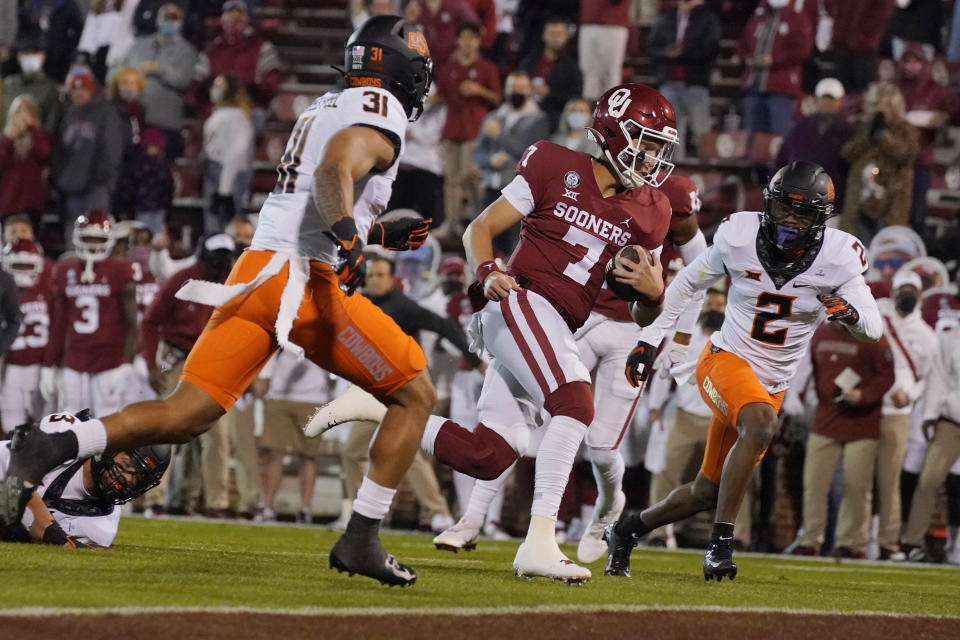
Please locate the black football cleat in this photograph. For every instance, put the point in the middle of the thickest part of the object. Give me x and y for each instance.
(33, 454)
(367, 557)
(718, 561)
(619, 546)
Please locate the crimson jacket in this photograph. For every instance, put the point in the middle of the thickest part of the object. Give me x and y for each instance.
(858, 25)
(22, 187)
(792, 46)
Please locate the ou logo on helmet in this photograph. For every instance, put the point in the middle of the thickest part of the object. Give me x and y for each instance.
(618, 102)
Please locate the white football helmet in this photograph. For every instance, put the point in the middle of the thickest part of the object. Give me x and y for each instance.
(23, 259)
(94, 236)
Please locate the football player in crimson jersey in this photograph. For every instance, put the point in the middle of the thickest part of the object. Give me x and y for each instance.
(294, 288)
(788, 273)
(19, 392)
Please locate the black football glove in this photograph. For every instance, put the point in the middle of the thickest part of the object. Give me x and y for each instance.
(350, 268)
(55, 535)
(640, 363)
(400, 234)
(839, 310)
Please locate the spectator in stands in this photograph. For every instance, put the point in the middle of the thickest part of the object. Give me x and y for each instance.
(486, 12)
(363, 10)
(240, 50)
(17, 227)
(505, 135)
(917, 21)
(858, 27)
(554, 72)
(33, 81)
(87, 154)
(24, 155)
(419, 182)
(881, 156)
(820, 136)
(683, 44)
(163, 266)
(293, 391)
(470, 86)
(572, 132)
(126, 92)
(440, 20)
(915, 349)
(889, 250)
(851, 378)
(227, 151)
(604, 30)
(107, 34)
(145, 192)
(929, 106)
(59, 24)
(167, 61)
(774, 44)
(941, 427)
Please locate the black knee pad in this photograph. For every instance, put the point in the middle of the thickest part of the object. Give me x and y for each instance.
(574, 400)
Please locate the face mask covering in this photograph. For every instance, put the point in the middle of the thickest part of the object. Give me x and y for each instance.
(216, 94)
(712, 320)
(905, 302)
(168, 28)
(577, 120)
(517, 100)
(31, 64)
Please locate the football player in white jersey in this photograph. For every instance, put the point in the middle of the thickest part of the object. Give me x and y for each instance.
(788, 272)
(293, 288)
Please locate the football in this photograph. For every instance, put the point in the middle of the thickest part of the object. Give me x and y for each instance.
(619, 289)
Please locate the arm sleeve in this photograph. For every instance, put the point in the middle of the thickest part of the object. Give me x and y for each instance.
(693, 248)
(10, 309)
(870, 325)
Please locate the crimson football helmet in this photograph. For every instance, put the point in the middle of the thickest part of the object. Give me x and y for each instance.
(23, 259)
(94, 236)
(636, 129)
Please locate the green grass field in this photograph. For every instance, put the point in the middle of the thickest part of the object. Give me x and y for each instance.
(180, 563)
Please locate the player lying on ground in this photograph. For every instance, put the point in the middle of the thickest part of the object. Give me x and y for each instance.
(75, 506)
(577, 212)
(285, 291)
(788, 272)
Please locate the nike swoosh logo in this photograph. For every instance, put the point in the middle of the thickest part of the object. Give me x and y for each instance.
(728, 538)
(795, 285)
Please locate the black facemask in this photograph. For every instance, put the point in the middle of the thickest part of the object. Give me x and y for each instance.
(517, 100)
(711, 319)
(905, 302)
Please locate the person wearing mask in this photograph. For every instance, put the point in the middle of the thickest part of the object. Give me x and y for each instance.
(881, 157)
(572, 130)
(851, 378)
(683, 44)
(24, 155)
(553, 71)
(504, 137)
(243, 52)
(773, 46)
(87, 153)
(604, 31)
(167, 61)
(227, 152)
(915, 350)
(929, 106)
(819, 136)
(470, 86)
(59, 24)
(107, 34)
(33, 81)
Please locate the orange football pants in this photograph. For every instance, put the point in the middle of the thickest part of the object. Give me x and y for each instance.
(348, 336)
(727, 384)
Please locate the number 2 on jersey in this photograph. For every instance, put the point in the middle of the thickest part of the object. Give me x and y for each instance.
(784, 304)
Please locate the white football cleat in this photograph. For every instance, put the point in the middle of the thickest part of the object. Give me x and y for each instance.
(462, 535)
(592, 547)
(547, 561)
(354, 405)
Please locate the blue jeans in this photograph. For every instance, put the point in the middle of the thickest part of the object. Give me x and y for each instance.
(767, 113)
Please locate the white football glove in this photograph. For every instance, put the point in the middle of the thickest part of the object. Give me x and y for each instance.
(49, 384)
(672, 355)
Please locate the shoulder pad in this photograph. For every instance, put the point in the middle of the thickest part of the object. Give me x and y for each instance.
(738, 230)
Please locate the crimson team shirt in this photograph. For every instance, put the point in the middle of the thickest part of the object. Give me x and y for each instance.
(570, 231)
(36, 304)
(465, 114)
(88, 316)
(684, 201)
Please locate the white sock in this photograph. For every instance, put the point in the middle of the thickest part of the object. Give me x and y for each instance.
(373, 500)
(554, 461)
(542, 530)
(484, 492)
(496, 506)
(91, 438)
(430, 432)
(463, 484)
(608, 470)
